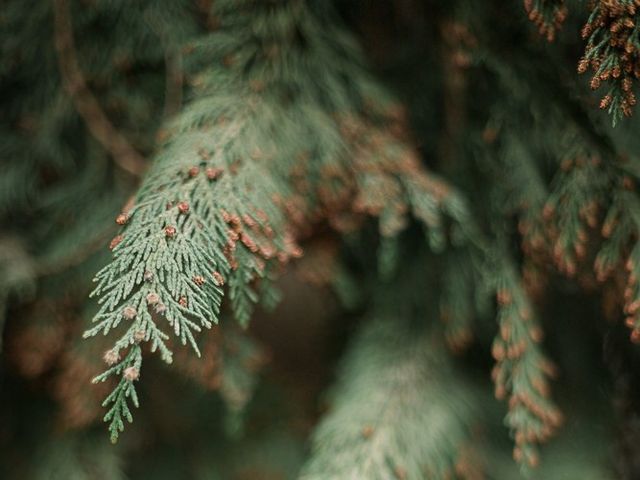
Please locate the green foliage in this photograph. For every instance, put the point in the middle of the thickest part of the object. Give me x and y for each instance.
(547, 15)
(612, 45)
(218, 205)
(459, 177)
(522, 370)
(399, 410)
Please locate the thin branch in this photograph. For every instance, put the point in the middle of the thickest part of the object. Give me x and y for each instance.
(125, 156)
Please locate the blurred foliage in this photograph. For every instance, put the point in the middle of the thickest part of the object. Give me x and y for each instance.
(442, 168)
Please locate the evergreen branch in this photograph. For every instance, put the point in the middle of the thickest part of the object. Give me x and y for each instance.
(125, 156)
(547, 15)
(391, 182)
(205, 215)
(125, 390)
(398, 411)
(218, 206)
(613, 41)
(621, 248)
(572, 206)
(521, 371)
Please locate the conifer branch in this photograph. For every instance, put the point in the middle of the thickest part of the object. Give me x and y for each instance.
(547, 15)
(219, 207)
(577, 192)
(87, 106)
(522, 370)
(399, 411)
(612, 33)
(205, 216)
(286, 137)
(621, 248)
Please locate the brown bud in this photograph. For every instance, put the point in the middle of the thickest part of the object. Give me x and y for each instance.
(111, 357)
(131, 373)
(123, 218)
(170, 231)
(500, 392)
(517, 454)
(497, 351)
(583, 64)
(219, 279)
(153, 298)
(249, 242)
(629, 264)
(536, 334)
(214, 173)
(198, 280)
(633, 307)
(616, 72)
(367, 431)
(138, 336)
(129, 313)
(400, 473)
(503, 296)
(183, 207)
(115, 241)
